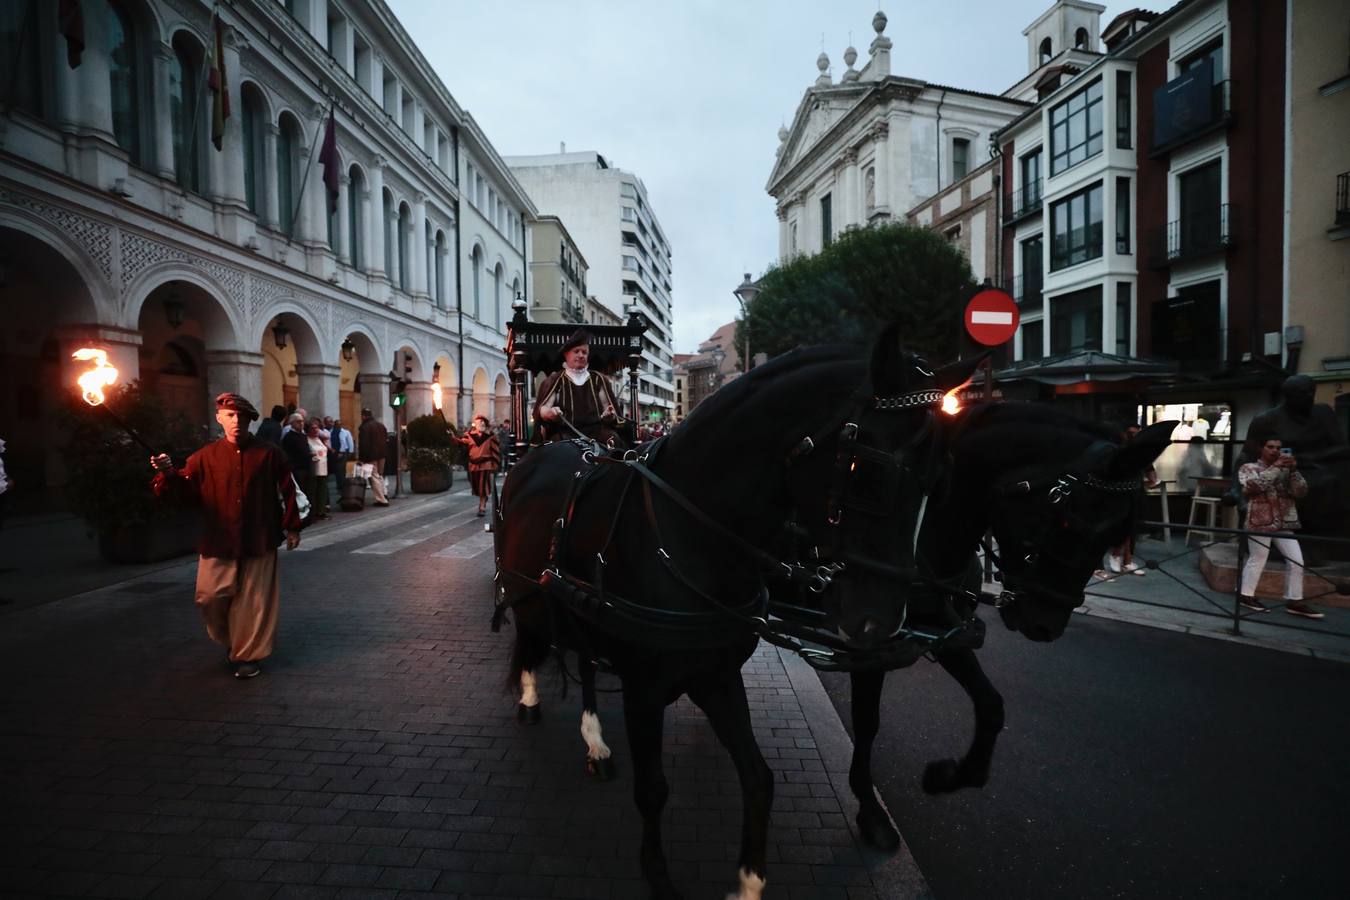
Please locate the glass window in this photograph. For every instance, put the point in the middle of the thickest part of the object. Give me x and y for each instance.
(1076, 228)
(387, 211)
(1124, 304)
(477, 283)
(1031, 179)
(1076, 321)
(826, 225)
(124, 81)
(20, 55)
(1033, 338)
(1122, 215)
(1076, 128)
(251, 120)
(960, 158)
(355, 188)
(1124, 111)
(1033, 277)
(183, 99)
(286, 178)
(403, 265)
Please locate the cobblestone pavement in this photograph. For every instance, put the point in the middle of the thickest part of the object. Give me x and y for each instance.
(378, 754)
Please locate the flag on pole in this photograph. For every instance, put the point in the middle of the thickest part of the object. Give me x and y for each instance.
(328, 158)
(70, 17)
(220, 90)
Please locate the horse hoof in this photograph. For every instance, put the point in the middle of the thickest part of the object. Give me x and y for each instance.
(527, 715)
(600, 769)
(877, 832)
(941, 776)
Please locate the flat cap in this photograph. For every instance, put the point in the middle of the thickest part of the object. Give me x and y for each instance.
(231, 400)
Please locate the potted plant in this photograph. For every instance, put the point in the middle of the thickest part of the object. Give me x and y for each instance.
(431, 450)
(110, 476)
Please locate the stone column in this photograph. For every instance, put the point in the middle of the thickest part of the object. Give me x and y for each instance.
(784, 235)
(418, 226)
(880, 137)
(375, 223)
(319, 387)
(233, 370)
(344, 235)
(232, 156)
(375, 397)
(94, 103)
(419, 399)
(271, 215)
(313, 226)
(162, 114)
(853, 190)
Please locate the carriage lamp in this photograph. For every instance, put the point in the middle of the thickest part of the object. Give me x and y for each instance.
(173, 309)
(279, 334)
(518, 304)
(348, 350)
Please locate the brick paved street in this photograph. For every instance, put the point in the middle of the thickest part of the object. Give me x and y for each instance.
(378, 755)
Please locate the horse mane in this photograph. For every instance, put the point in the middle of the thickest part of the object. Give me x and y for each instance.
(1023, 432)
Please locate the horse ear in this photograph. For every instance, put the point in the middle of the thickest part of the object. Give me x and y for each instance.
(892, 366)
(1139, 454)
(958, 373)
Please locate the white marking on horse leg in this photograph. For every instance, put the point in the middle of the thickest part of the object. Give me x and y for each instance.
(752, 887)
(596, 748)
(528, 695)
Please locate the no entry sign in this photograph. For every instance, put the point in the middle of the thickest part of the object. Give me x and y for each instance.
(991, 317)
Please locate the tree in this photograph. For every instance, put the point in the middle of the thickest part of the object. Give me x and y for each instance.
(866, 278)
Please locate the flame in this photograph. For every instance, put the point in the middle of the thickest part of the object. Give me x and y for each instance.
(96, 379)
(950, 405)
(436, 394)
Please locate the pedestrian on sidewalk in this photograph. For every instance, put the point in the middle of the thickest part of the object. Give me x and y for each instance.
(342, 449)
(318, 470)
(270, 428)
(1271, 484)
(295, 445)
(1120, 560)
(485, 458)
(373, 449)
(248, 502)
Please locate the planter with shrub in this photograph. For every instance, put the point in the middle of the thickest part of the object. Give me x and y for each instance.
(431, 452)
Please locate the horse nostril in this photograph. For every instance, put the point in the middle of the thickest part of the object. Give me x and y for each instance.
(869, 626)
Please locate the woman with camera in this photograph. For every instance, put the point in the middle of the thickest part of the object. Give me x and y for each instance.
(1271, 484)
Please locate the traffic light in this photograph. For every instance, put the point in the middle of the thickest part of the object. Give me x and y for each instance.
(398, 399)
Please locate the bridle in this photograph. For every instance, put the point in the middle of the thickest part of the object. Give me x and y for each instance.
(1060, 486)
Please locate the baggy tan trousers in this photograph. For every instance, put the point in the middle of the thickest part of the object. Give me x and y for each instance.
(238, 599)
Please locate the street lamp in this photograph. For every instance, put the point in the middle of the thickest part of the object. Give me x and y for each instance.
(348, 350)
(746, 292)
(279, 334)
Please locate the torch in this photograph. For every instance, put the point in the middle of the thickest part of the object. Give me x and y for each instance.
(95, 380)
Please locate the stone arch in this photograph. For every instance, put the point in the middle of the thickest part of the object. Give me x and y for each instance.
(482, 398)
(370, 355)
(224, 328)
(367, 360)
(76, 253)
(498, 287)
(291, 374)
(447, 376)
(408, 344)
(501, 398)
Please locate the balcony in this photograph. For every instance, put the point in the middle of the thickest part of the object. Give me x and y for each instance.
(1026, 201)
(1028, 292)
(1187, 107)
(1192, 237)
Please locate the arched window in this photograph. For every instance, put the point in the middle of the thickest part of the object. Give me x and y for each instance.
(189, 125)
(288, 170)
(429, 242)
(22, 52)
(253, 118)
(356, 189)
(1080, 39)
(477, 282)
(497, 296)
(1047, 50)
(440, 269)
(387, 211)
(125, 80)
(404, 217)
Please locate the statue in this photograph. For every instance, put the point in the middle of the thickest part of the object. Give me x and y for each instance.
(1314, 435)
(870, 190)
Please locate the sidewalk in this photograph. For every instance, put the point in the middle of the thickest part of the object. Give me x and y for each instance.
(377, 756)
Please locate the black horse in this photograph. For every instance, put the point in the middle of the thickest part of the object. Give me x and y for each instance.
(1056, 493)
(658, 565)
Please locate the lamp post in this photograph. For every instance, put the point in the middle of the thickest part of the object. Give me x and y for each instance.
(746, 292)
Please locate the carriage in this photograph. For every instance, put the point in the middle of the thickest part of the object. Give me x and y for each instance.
(821, 503)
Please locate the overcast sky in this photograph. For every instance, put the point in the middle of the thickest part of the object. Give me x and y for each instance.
(689, 95)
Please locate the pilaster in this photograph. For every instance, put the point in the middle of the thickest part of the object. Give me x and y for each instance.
(233, 370)
(161, 113)
(320, 384)
(375, 397)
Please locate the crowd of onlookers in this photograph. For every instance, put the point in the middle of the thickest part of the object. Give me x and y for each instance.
(322, 450)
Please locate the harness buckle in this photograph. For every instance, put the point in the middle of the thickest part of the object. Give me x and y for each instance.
(823, 577)
(1005, 598)
(1062, 489)
(849, 432)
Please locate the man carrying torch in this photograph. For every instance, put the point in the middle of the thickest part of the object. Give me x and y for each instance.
(247, 496)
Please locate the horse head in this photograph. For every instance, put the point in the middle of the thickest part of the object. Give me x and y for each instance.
(1054, 520)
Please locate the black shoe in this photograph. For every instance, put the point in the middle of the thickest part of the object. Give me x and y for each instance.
(247, 670)
(1299, 608)
(1253, 604)
(481, 513)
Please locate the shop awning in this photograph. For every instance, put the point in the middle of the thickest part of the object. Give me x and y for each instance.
(1085, 366)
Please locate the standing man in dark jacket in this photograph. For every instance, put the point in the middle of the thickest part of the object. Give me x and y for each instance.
(374, 448)
(270, 429)
(248, 503)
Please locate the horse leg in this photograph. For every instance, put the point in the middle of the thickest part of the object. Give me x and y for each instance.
(721, 696)
(873, 823)
(598, 762)
(527, 711)
(528, 653)
(643, 721)
(946, 775)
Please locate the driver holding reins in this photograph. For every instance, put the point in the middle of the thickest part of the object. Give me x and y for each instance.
(578, 396)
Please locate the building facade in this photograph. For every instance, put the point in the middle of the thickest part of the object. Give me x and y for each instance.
(558, 272)
(966, 213)
(203, 270)
(607, 211)
(870, 146)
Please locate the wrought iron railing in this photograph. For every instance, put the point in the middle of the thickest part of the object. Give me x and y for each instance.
(1028, 292)
(1192, 236)
(1025, 201)
(1180, 117)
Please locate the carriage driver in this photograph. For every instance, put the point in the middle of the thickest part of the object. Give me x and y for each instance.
(576, 396)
